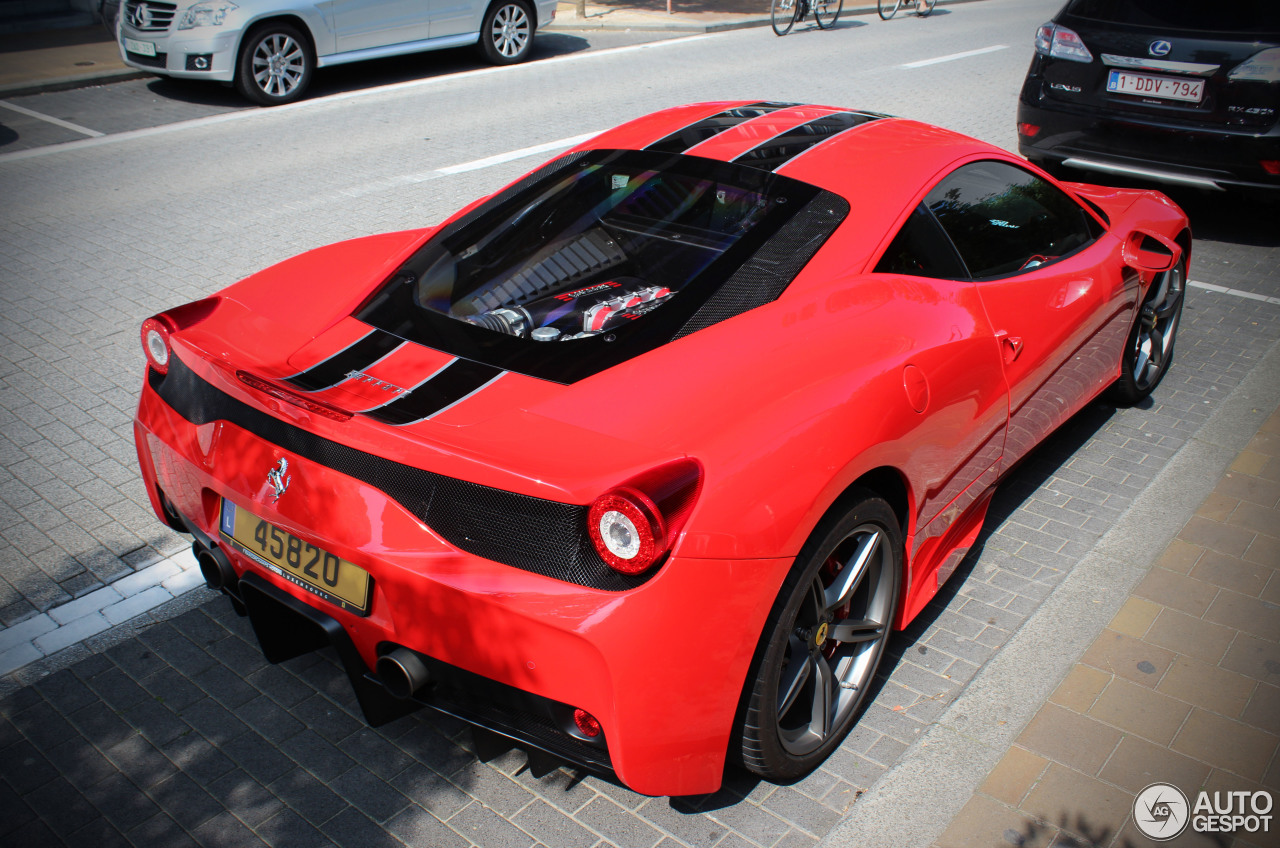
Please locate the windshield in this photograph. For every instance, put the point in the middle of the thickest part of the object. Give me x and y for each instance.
(607, 248)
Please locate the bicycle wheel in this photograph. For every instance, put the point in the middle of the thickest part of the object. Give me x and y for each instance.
(887, 8)
(924, 7)
(783, 15)
(827, 12)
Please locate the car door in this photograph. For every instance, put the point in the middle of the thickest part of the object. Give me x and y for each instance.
(1060, 313)
(365, 24)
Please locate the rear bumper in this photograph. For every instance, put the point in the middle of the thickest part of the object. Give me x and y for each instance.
(660, 666)
(1150, 150)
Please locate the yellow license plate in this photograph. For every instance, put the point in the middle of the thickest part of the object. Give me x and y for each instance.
(301, 563)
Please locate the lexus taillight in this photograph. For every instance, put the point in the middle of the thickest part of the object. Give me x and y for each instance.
(1061, 43)
(155, 341)
(634, 525)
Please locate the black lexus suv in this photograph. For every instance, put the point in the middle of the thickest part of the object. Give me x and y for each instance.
(1172, 91)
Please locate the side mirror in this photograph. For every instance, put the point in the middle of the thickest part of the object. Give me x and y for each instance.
(1151, 252)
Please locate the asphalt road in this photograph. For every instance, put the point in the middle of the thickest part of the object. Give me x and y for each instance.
(187, 190)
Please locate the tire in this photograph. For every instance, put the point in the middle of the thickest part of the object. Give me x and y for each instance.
(827, 12)
(782, 14)
(887, 8)
(506, 36)
(806, 687)
(924, 7)
(1148, 351)
(275, 66)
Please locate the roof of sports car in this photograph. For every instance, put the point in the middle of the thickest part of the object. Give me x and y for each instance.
(802, 141)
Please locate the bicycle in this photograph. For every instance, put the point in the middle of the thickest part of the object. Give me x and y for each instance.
(889, 8)
(785, 13)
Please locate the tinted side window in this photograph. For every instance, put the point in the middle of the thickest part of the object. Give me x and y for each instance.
(922, 249)
(1003, 219)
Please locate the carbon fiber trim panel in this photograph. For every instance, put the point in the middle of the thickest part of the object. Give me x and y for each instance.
(763, 277)
(533, 534)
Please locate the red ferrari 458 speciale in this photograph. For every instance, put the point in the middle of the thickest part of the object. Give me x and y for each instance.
(638, 462)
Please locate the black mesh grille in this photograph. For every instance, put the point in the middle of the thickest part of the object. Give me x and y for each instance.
(542, 536)
(763, 277)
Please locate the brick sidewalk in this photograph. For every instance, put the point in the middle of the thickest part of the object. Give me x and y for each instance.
(1183, 687)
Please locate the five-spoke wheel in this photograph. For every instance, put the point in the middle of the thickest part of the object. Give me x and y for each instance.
(1149, 349)
(824, 641)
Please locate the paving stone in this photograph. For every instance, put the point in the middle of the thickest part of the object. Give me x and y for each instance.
(286, 829)
(308, 797)
(351, 827)
(245, 798)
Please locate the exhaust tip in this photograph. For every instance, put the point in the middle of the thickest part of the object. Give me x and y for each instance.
(402, 673)
(218, 573)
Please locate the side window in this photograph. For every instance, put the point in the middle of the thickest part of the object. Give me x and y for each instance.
(922, 249)
(1003, 219)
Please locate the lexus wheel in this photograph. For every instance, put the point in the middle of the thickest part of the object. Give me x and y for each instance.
(823, 643)
(1149, 349)
(275, 65)
(506, 36)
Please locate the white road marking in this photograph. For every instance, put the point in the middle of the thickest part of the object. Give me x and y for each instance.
(489, 161)
(66, 125)
(951, 57)
(1235, 292)
(318, 102)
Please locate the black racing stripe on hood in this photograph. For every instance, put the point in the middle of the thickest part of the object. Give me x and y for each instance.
(699, 131)
(450, 385)
(777, 151)
(355, 357)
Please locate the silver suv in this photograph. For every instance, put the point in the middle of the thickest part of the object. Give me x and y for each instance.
(270, 48)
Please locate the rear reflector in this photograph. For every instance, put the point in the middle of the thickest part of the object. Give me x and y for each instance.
(1029, 130)
(588, 725)
(1271, 166)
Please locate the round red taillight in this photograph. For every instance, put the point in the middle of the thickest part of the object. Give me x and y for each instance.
(155, 343)
(627, 530)
(588, 725)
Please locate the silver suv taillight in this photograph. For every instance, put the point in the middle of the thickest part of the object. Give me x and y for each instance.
(1061, 43)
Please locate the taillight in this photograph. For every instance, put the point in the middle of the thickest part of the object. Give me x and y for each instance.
(1061, 43)
(627, 530)
(1271, 166)
(155, 342)
(634, 525)
(1261, 67)
(157, 329)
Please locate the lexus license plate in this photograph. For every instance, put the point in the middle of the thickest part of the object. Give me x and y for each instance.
(1165, 88)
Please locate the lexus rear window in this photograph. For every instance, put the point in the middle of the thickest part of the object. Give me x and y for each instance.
(594, 260)
(1200, 16)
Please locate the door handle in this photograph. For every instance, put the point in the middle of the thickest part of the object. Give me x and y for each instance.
(1010, 346)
